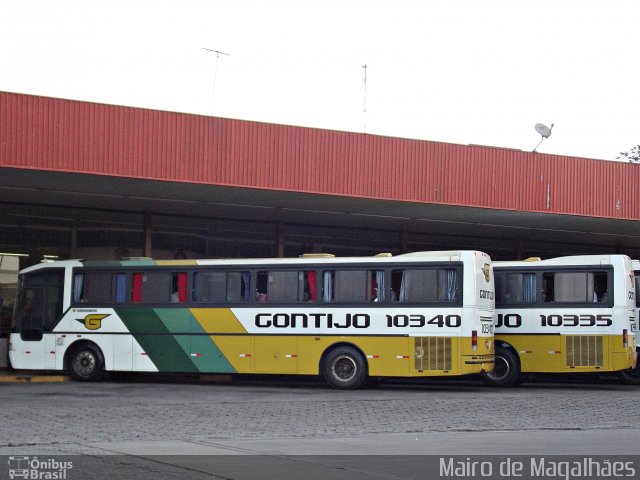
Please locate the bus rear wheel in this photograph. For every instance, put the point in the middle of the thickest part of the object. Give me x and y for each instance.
(344, 368)
(506, 371)
(86, 363)
(630, 377)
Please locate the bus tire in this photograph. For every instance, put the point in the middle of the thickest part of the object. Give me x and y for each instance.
(344, 368)
(506, 371)
(630, 377)
(86, 363)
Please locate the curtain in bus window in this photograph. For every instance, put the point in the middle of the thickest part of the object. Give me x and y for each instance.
(380, 286)
(246, 291)
(352, 286)
(451, 285)
(121, 287)
(529, 288)
(424, 285)
(196, 287)
(282, 287)
(233, 287)
(182, 287)
(136, 288)
(515, 288)
(404, 286)
(78, 281)
(311, 278)
(574, 287)
(327, 287)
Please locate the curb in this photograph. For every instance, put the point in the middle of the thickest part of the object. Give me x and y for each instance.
(26, 378)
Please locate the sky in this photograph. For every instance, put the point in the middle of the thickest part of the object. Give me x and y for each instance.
(461, 71)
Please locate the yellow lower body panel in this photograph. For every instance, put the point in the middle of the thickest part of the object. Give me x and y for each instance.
(571, 353)
(385, 356)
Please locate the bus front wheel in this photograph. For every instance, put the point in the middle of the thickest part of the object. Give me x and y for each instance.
(86, 363)
(344, 368)
(506, 371)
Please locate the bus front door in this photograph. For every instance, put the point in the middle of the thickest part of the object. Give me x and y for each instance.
(37, 346)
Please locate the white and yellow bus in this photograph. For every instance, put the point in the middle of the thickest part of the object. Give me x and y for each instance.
(564, 315)
(413, 315)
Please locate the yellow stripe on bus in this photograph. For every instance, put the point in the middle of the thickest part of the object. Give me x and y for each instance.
(217, 320)
(175, 262)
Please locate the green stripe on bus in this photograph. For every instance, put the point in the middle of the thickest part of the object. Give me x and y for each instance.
(200, 348)
(190, 349)
(176, 320)
(210, 358)
(164, 350)
(142, 262)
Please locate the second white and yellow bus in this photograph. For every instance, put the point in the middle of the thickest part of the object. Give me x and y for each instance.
(564, 315)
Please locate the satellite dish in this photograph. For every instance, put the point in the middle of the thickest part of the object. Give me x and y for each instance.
(544, 131)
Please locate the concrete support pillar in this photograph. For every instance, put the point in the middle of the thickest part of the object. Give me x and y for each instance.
(147, 234)
(519, 249)
(279, 240)
(403, 241)
(73, 248)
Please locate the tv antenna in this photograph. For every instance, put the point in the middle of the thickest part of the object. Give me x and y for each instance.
(364, 100)
(215, 72)
(544, 131)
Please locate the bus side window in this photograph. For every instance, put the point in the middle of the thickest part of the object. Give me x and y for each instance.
(221, 287)
(157, 287)
(425, 285)
(516, 288)
(99, 287)
(280, 287)
(351, 286)
(575, 287)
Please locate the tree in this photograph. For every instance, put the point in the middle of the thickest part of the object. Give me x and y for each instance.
(633, 155)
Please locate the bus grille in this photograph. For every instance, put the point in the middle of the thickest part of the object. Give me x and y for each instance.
(433, 353)
(584, 350)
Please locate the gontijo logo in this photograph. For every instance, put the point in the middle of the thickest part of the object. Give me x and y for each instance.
(93, 321)
(486, 269)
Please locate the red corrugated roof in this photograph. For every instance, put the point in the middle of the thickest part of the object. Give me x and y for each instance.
(65, 135)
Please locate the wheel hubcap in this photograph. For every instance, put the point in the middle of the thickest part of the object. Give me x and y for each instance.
(500, 370)
(85, 363)
(344, 368)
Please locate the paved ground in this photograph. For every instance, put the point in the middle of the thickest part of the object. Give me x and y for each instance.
(143, 420)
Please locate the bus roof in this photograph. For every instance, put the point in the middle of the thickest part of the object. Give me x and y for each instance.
(575, 260)
(415, 257)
